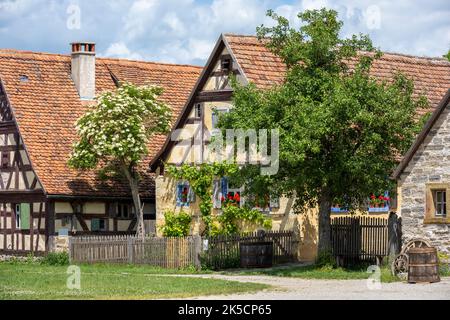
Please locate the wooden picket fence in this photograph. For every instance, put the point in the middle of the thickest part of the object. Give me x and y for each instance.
(359, 239)
(160, 252)
(219, 252)
(223, 252)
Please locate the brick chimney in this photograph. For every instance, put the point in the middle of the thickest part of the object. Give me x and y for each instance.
(83, 69)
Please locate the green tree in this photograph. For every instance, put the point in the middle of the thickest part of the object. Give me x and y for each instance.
(447, 56)
(341, 130)
(114, 134)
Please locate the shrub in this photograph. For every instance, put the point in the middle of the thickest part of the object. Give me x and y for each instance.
(234, 218)
(216, 261)
(444, 264)
(176, 225)
(56, 259)
(325, 259)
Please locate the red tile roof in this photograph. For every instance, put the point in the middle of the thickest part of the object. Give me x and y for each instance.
(431, 75)
(47, 106)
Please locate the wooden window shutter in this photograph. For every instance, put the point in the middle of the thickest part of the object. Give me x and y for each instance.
(95, 225)
(217, 195)
(179, 191)
(25, 216)
(224, 186)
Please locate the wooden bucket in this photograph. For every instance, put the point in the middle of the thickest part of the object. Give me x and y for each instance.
(423, 265)
(256, 254)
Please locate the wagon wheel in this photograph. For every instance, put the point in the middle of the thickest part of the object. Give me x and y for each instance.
(399, 267)
(416, 243)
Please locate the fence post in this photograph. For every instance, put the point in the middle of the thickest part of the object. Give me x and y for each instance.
(394, 236)
(70, 250)
(130, 251)
(197, 251)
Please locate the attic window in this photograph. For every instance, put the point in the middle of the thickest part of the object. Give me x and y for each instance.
(198, 110)
(23, 78)
(226, 64)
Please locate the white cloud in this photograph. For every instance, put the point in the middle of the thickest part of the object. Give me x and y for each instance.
(120, 50)
(184, 31)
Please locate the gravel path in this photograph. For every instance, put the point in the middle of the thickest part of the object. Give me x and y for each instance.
(304, 289)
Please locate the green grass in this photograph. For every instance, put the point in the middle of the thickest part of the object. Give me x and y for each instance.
(316, 272)
(101, 282)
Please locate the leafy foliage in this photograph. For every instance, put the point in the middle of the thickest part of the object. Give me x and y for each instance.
(233, 219)
(119, 125)
(56, 259)
(201, 180)
(447, 56)
(341, 130)
(114, 133)
(176, 225)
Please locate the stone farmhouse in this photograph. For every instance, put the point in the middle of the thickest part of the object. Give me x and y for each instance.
(423, 180)
(41, 97)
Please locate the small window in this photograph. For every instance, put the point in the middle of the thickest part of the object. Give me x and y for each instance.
(5, 159)
(98, 225)
(18, 224)
(198, 110)
(123, 211)
(440, 202)
(23, 78)
(65, 221)
(226, 65)
(184, 194)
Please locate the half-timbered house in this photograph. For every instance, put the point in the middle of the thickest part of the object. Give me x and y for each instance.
(250, 61)
(41, 97)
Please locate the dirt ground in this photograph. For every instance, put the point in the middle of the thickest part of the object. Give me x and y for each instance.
(304, 289)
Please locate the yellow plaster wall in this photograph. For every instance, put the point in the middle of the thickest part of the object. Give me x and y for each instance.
(94, 208)
(63, 207)
(305, 226)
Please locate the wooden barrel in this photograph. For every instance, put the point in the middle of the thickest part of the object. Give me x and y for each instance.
(423, 265)
(256, 254)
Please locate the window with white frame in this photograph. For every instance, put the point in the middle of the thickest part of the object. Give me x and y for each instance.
(440, 202)
(225, 192)
(184, 194)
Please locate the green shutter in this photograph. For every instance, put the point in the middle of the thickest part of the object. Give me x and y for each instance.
(95, 225)
(25, 216)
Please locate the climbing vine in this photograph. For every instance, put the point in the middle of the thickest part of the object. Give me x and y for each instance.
(201, 179)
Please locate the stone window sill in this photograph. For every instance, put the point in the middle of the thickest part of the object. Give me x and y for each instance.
(436, 220)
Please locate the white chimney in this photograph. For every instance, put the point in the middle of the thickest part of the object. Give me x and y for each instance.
(83, 69)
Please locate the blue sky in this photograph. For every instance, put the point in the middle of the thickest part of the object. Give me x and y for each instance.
(184, 31)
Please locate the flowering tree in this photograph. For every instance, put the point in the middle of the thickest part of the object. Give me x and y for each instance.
(115, 131)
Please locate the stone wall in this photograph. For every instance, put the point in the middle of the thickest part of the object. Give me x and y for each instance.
(430, 165)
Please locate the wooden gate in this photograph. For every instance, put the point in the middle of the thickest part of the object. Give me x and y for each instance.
(360, 239)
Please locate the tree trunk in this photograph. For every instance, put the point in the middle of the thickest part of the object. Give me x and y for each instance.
(324, 222)
(134, 186)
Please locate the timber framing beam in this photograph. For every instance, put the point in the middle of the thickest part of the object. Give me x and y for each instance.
(22, 196)
(7, 127)
(214, 96)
